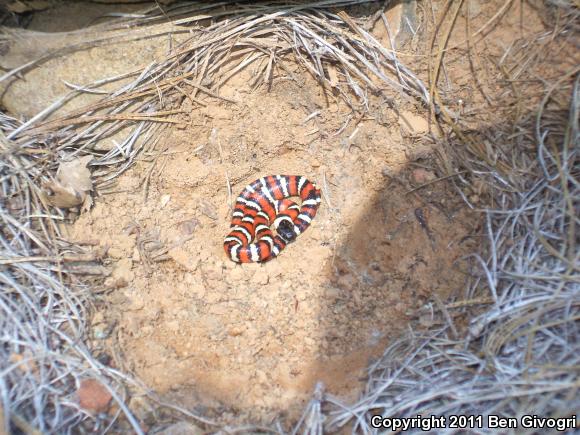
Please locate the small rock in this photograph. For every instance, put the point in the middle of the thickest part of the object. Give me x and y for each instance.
(235, 331)
(93, 396)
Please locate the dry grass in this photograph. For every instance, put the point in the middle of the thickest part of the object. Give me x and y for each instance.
(520, 350)
(521, 353)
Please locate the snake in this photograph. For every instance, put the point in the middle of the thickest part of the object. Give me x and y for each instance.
(263, 203)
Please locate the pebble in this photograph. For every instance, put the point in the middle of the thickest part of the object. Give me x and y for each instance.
(93, 396)
(235, 331)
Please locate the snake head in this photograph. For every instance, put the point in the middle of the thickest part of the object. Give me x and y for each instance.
(286, 231)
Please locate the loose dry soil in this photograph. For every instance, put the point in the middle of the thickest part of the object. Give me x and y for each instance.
(253, 340)
(258, 337)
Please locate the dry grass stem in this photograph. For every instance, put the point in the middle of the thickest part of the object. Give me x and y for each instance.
(518, 352)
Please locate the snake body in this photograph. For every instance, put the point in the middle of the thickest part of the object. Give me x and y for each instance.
(265, 202)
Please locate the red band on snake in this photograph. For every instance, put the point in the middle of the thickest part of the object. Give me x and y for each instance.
(263, 203)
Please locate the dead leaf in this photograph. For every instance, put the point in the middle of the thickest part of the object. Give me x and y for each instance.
(87, 204)
(60, 196)
(333, 76)
(93, 396)
(73, 181)
(75, 174)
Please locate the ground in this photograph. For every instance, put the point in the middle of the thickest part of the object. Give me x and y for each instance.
(252, 341)
(257, 337)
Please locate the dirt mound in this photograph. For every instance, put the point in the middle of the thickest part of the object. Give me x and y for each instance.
(256, 338)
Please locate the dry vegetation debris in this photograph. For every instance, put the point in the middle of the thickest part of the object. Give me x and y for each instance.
(519, 350)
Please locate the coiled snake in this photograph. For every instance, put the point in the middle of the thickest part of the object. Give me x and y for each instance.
(263, 203)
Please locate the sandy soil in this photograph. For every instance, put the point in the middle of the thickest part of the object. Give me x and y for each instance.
(251, 341)
(257, 338)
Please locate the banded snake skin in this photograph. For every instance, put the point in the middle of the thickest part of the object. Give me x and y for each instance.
(265, 202)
